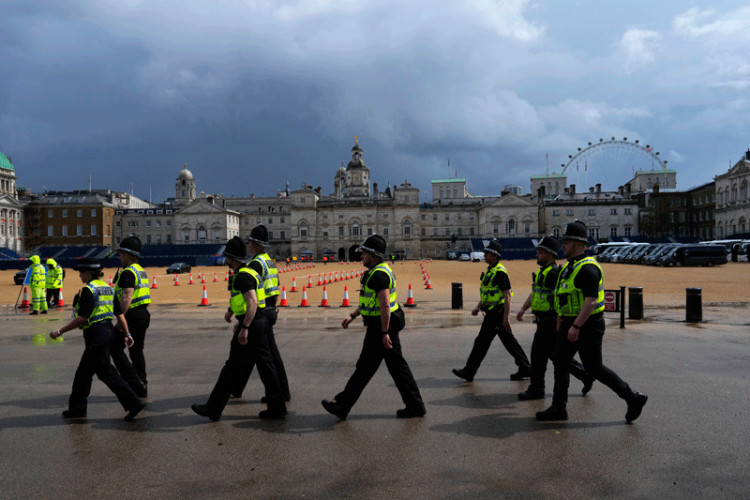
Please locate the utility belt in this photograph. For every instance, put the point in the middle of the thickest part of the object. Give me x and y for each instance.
(543, 314)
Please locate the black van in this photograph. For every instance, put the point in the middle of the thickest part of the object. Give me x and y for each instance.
(695, 255)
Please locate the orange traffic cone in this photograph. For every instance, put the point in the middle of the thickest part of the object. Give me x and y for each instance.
(215, 278)
(427, 284)
(110, 281)
(204, 298)
(191, 279)
(294, 285)
(324, 300)
(283, 302)
(203, 277)
(304, 302)
(309, 281)
(176, 280)
(60, 301)
(25, 302)
(346, 303)
(336, 277)
(319, 281)
(226, 276)
(153, 282)
(410, 298)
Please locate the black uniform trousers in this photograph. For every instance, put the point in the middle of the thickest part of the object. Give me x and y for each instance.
(373, 353)
(256, 351)
(96, 361)
(271, 314)
(589, 346)
(122, 363)
(139, 319)
(542, 348)
(53, 296)
(491, 326)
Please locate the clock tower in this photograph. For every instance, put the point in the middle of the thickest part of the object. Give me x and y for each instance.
(357, 175)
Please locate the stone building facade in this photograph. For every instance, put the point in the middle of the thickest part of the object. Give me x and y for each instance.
(11, 210)
(733, 200)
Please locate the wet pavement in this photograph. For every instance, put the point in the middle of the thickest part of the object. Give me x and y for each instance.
(476, 441)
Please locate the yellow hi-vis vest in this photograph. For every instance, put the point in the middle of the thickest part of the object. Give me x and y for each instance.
(141, 292)
(490, 295)
(568, 298)
(54, 275)
(369, 303)
(237, 302)
(270, 274)
(104, 308)
(38, 276)
(542, 296)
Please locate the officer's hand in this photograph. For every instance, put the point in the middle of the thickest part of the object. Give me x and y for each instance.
(228, 316)
(475, 311)
(242, 338)
(55, 334)
(573, 334)
(387, 341)
(506, 324)
(345, 323)
(129, 340)
(519, 316)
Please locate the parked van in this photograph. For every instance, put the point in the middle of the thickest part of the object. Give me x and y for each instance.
(695, 255)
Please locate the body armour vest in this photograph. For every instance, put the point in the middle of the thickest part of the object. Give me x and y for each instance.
(369, 303)
(237, 302)
(568, 298)
(270, 275)
(104, 296)
(543, 296)
(491, 295)
(141, 292)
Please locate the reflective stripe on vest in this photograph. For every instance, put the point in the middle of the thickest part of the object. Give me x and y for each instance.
(54, 277)
(569, 299)
(141, 292)
(237, 302)
(38, 276)
(542, 296)
(270, 274)
(104, 296)
(490, 295)
(369, 303)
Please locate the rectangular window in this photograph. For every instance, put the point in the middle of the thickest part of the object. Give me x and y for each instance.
(281, 219)
(169, 223)
(627, 230)
(282, 235)
(79, 213)
(592, 212)
(423, 216)
(148, 239)
(50, 231)
(613, 232)
(169, 238)
(341, 230)
(325, 232)
(527, 228)
(495, 228)
(628, 211)
(385, 231)
(65, 212)
(65, 230)
(270, 220)
(434, 216)
(158, 223)
(369, 231)
(434, 231)
(117, 223)
(79, 230)
(49, 214)
(555, 213)
(447, 231)
(459, 231)
(270, 235)
(612, 211)
(447, 217)
(424, 232)
(148, 223)
(93, 229)
(471, 231)
(569, 212)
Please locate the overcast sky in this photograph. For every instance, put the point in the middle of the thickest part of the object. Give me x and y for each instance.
(252, 94)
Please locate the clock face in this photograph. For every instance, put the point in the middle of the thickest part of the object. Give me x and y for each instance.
(356, 178)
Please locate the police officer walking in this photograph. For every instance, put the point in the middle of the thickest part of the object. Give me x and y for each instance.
(54, 282)
(249, 342)
(95, 307)
(38, 284)
(542, 304)
(579, 302)
(262, 264)
(384, 319)
(495, 296)
(131, 287)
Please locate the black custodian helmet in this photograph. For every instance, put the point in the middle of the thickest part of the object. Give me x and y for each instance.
(131, 245)
(374, 244)
(576, 230)
(259, 236)
(549, 244)
(236, 249)
(494, 247)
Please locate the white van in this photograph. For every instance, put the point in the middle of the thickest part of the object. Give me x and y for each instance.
(476, 256)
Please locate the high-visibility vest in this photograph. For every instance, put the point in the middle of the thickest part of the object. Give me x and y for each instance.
(141, 293)
(568, 298)
(369, 303)
(237, 302)
(270, 274)
(38, 276)
(543, 297)
(104, 308)
(491, 295)
(54, 275)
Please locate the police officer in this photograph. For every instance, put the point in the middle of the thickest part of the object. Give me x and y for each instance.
(579, 303)
(38, 283)
(262, 264)
(384, 319)
(54, 282)
(95, 307)
(131, 287)
(495, 294)
(249, 342)
(541, 301)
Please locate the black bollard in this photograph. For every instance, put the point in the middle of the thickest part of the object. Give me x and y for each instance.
(635, 302)
(457, 296)
(693, 305)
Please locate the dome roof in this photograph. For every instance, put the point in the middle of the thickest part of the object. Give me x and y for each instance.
(5, 162)
(185, 174)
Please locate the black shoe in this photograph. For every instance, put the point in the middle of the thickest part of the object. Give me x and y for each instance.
(32, 313)
(552, 413)
(635, 405)
(237, 396)
(530, 394)
(461, 373)
(141, 391)
(270, 414)
(411, 412)
(203, 411)
(74, 414)
(264, 399)
(44, 312)
(521, 374)
(335, 408)
(587, 384)
(134, 411)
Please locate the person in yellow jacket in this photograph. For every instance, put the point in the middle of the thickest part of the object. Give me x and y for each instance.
(384, 319)
(38, 286)
(54, 282)
(579, 304)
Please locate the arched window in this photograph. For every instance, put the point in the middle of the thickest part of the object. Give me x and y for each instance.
(406, 227)
(202, 234)
(743, 191)
(303, 229)
(355, 229)
(510, 226)
(720, 198)
(742, 224)
(734, 193)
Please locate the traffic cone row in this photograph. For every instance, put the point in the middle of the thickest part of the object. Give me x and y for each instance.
(283, 302)
(204, 298)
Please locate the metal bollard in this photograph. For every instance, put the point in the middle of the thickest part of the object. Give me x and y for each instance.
(457, 296)
(693, 305)
(635, 302)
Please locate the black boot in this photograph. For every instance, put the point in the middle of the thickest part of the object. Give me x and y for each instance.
(462, 373)
(552, 413)
(335, 408)
(636, 402)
